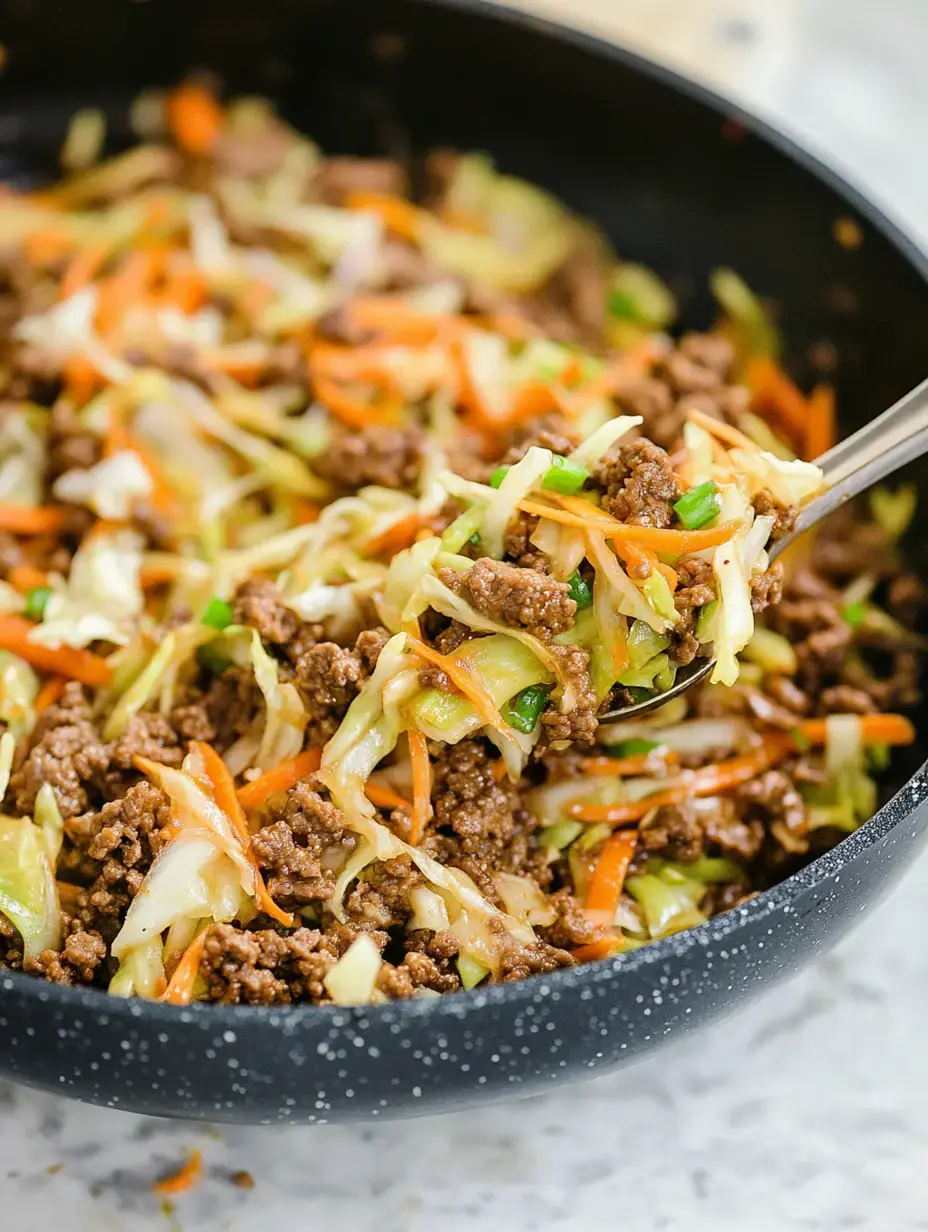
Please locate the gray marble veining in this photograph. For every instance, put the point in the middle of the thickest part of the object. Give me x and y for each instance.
(807, 1111)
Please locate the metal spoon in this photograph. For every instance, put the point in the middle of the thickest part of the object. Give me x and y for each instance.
(882, 446)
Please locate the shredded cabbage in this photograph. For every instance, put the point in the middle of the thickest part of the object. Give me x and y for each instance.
(285, 719)
(28, 893)
(353, 978)
(111, 488)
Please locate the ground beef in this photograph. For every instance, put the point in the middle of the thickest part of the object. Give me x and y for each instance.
(766, 587)
(329, 677)
(517, 544)
(728, 833)
(76, 963)
(639, 484)
(579, 723)
(258, 603)
(672, 831)
(384, 456)
(304, 841)
(551, 431)
(809, 615)
(520, 598)
(695, 584)
(774, 799)
(65, 750)
(418, 971)
(266, 968)
(121, 839)
(225, 711)
(70, 445)
(694, 375)
(254, 154)
(478, 822)
(380, 898)
(520, 961)
(785, 515)
(572, 928)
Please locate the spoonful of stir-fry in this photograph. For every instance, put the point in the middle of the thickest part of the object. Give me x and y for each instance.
(856, 464)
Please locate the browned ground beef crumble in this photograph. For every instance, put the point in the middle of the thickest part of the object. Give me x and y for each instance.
(480, 823)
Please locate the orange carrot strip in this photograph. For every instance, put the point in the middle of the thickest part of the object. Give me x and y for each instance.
(194, 118)
(400, 217)
(47, 246)
(707, 781)
(81, 379)
(421, 786)
(400, 322)
(875, 729)
(395, 538)
(26, 577)
(185, 1178)
(224, 792)
(677, 542)
(305, 512)
(352, 411)
(23, 520)
(460, 676)
(499, 770)
(281, 778)
(180, 988)
(125, 288)
(385, 797)
(49, 693)
(80, 665)
(596, 949)
(821, 425)
(722, 431)
(84, 265)
(776, 397)
(623, 767)
(609, 876)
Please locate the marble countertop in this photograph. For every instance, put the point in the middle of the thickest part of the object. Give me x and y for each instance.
(805, 1112)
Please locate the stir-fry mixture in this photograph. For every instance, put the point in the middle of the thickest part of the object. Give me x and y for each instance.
(329, 523)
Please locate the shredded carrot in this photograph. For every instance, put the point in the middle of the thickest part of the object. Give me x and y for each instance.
(47, 246)
(395, 538)
(67, 661)
(226, 797)
(821, 425)
(352, 411)
(624, 767)
(609, 876)
(399, 322)
(194, 118)
(385, 797)
(721, 431)
(596, 949)
(708, 781)
(875, 729)
(401, 218)
(281, 778)
(460, 676)
(126, 287)
(24, 520)
(421, 785)
(180, 987)
(185, 1178)
(776, 398)
(305, 512)
(499, 770)
(81, 379)
(26, 577)
(49, 693)
(675, 542)
(84, 265)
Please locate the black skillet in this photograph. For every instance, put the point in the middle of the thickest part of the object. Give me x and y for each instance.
(679, 186)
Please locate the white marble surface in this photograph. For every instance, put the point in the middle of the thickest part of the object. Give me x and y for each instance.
(807, 1111)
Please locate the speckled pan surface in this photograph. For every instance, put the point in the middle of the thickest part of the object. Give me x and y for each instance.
(645, 155)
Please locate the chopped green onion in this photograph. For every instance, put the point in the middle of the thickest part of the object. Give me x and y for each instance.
(524, 710)
(854, 614)
(498, 476)
(475, 537)
(801, 740)
(560, 835)
(580, 591)
(218, 614)
(878, 757)
(631, 747)
(212, 660)
(565, 476)
(637, 294)
(638, 694)
(36, 599)
(471, 971)
(699, 505)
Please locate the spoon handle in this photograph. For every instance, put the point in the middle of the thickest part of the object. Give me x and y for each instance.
(882, 446)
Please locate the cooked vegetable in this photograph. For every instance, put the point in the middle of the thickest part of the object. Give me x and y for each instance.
(699, 505)
(524, 710)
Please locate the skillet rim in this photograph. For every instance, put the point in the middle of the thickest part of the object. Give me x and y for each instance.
(780, 897)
